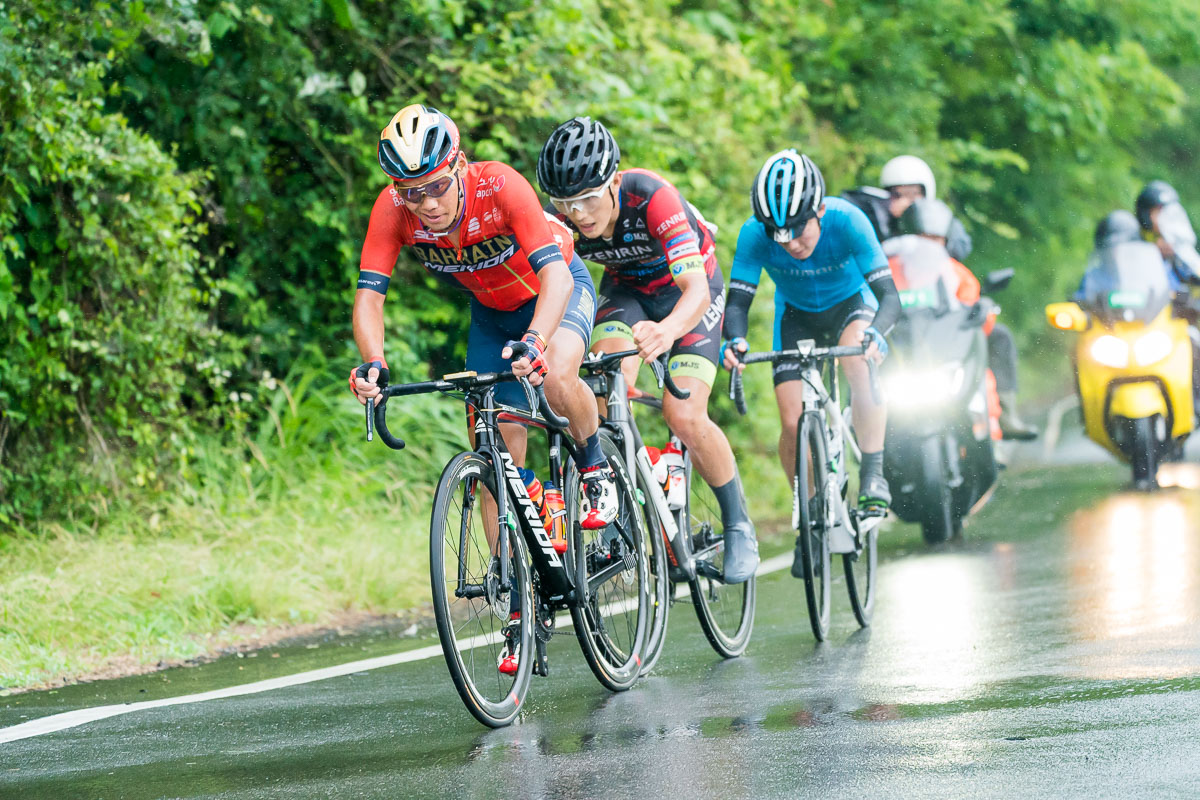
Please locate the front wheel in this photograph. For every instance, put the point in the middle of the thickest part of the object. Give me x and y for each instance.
(1144, 454)
(662, 590)
(477, 621)
(936, 497)
(613, 615)
(812, 531)
(725, 611)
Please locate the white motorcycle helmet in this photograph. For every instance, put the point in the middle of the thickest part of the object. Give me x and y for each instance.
(908, 171)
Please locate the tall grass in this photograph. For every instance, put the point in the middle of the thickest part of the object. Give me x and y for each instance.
(292, 522)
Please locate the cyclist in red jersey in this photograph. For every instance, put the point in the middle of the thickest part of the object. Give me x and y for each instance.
(662, 291)
(479, 227)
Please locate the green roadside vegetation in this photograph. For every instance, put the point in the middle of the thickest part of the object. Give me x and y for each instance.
(186, 185)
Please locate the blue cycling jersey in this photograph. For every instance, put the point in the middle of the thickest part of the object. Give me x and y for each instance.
(847, 257)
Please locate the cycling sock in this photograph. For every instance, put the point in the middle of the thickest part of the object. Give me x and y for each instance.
(592, 455)
(872, 463)
(731, 500)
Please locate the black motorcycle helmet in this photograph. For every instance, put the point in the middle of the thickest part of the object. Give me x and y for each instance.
(579, 155)
(1155, 195)
(1119, 226)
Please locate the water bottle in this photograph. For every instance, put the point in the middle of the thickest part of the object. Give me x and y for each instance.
(555, 517)
(676, 489)
(536, 493)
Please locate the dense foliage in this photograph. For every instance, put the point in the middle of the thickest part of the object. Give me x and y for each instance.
(185, 183)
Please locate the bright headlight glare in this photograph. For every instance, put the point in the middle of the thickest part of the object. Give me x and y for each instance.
(1111, 351)
(1152, 348)
(924, 388)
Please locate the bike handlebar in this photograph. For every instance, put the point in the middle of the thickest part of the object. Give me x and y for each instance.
(803, 352)
(377, 412)
(606, 362)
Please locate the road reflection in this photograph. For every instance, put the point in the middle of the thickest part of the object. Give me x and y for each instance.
(1135, 573)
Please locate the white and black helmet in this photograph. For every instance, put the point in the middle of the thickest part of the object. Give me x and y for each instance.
(908, 171)
(787, 193)
(579, 155)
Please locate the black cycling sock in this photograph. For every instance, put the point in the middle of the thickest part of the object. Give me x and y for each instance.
(871, 464)
(731, 500)
(591, 455)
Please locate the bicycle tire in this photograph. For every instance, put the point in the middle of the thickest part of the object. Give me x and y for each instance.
(610, 636)
(492, 698)
(725, 611)
(860, 576)
(812, 535)
(662, 590)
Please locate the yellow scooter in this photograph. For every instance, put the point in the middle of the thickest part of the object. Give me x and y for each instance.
(1133, 359)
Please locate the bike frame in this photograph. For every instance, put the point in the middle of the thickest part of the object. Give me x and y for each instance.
(620, 416)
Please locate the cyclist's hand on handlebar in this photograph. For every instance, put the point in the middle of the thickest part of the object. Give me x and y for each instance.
(732, 351)
(652, 339)
(368, 379)
(878, 349)
(526, 356)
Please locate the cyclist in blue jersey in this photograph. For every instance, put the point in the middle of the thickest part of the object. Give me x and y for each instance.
(832, 284)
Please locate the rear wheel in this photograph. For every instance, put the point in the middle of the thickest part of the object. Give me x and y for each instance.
(471, 608)
(1144, 453)
(812, 534)
(725, 611)
(612, 572)
(860, 573)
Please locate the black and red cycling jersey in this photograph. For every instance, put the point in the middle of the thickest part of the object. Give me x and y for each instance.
(658, 236)
(505, 239)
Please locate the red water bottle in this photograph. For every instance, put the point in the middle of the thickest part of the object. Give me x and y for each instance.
(556, 519)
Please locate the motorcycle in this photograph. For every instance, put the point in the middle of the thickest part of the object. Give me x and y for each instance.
(1133, 359)
(943, 410)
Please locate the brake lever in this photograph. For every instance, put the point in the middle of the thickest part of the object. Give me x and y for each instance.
(370, 419)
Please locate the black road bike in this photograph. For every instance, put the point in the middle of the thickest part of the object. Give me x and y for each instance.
(825, 519)
(689, 537)
(496, 577)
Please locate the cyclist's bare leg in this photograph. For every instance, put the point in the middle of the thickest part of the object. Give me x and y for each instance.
(566, 391)
(870, 418)
(790, 398)
(689, 420)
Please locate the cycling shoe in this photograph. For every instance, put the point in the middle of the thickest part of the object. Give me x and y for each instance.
(741, 552)
(873, 492)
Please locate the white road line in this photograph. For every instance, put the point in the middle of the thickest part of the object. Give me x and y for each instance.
(73, 719)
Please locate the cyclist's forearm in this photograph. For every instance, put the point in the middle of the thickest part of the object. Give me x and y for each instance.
(368, 324)
(691, 305)
(884, 289)
(557, 285)
(737, 309)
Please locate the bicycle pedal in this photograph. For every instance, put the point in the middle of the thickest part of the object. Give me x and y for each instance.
(709, 570)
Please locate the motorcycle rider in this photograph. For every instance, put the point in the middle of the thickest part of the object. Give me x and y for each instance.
(1166, 223)
(934, 219)
(904, 179)
(1119, 227)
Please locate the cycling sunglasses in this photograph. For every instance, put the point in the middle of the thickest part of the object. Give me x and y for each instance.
(413, 195)
(588, 202)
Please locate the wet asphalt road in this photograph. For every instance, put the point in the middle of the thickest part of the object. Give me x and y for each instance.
(1056, 652)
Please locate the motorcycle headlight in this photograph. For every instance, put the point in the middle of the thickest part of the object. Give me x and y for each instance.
(924, 388)
(1152, 348)
(1111, 351)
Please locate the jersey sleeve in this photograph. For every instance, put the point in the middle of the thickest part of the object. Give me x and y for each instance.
(529, 222)
(386, 236)
(668, 223)
(749, 257)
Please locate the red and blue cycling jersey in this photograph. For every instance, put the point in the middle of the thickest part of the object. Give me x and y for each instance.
(657, 236)
(505, 239)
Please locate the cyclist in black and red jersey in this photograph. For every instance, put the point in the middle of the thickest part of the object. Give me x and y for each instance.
(480, 227)
(662, 290)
